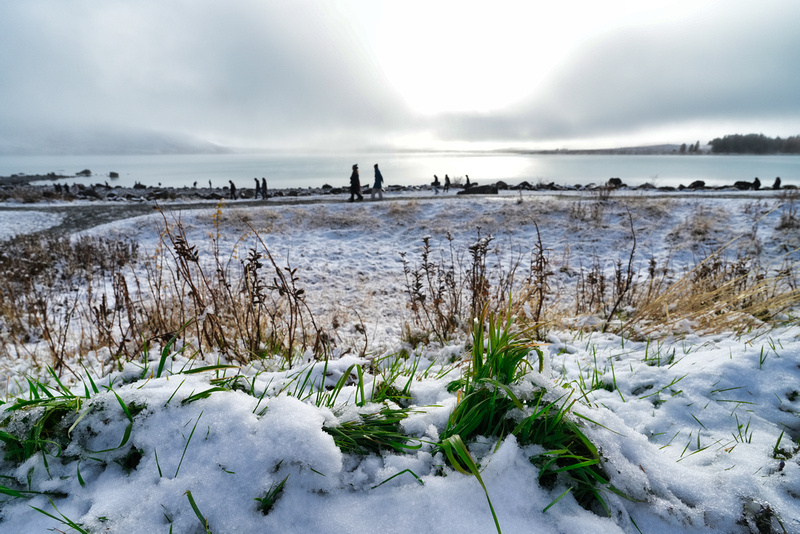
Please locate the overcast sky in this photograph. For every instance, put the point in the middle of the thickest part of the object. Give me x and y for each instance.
(366, 73)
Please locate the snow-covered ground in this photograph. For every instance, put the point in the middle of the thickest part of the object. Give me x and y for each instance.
(698, 430)
(16, 222)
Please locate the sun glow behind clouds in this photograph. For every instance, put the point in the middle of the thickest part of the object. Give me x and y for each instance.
(451, 57)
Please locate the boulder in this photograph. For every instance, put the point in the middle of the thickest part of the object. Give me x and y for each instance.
(479, 190)
(743, 186)
(697, 184)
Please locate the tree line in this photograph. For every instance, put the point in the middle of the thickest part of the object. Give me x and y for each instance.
(755, 144)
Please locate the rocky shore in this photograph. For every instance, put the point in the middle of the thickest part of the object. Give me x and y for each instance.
(20, 189)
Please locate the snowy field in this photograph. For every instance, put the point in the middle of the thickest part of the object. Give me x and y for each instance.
(16, 222)
(696, 428)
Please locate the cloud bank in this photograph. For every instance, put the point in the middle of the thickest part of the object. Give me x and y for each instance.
(303, 74)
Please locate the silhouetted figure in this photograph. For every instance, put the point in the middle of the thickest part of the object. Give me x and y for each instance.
(194, 185)
(209, 184)
(756, 184)
(264, 187)
(258, 188)
(467, 185)
(377, 185)
(436, 185)
(777, 183)
(355, 185)
(446, 183)
(233, 190)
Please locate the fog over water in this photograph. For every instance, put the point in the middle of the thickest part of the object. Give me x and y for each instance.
(287, 171)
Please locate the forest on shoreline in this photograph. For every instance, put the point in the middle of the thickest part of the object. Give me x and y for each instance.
(755, 144)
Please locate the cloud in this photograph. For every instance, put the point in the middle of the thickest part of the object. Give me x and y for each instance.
(717, 67)
(282, 73)
(242, 70)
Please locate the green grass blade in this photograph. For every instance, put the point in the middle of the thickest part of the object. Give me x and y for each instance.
(546, 508)
(200, 516)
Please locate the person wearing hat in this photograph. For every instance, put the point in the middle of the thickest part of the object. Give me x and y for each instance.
(377, 187)
(355, 185)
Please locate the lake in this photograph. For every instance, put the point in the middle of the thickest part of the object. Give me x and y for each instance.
(315, 170)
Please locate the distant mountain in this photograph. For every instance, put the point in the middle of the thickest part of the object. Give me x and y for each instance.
(101, 142)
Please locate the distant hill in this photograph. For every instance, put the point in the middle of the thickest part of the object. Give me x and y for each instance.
(101, 142)
(631, 150)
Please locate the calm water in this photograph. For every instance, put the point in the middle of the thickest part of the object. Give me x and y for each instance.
(283, 171)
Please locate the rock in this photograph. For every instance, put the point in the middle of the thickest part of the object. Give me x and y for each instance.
(743, 186)
(501, 185)
(616, 183)
(113, 174)
(697, 184)
(84, 172)
(479, 190)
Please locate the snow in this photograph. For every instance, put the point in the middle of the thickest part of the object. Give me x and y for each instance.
(688, 432)
(15, 222)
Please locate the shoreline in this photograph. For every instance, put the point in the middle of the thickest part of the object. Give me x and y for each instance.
(19, 189)
(69, 214)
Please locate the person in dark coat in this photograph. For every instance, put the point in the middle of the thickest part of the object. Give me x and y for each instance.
(377, 186)
(233, 190)
(446, 183)
(258, 188)
(355, 185)
(436, 184)
(777, 183)
(263, 187)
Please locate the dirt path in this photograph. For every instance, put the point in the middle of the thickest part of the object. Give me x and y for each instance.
(85, 215)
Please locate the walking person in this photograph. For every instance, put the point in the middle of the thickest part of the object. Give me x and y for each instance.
(436, 184)
(377, 186)
(264, 188)
(446, 183)
(233, 190)
(355, 185)
(258, 188)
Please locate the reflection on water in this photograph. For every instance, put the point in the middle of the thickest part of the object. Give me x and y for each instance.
(286, 171)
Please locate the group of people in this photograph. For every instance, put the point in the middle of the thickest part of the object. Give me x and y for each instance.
(355, 185)
(437, 184)
(260, 189)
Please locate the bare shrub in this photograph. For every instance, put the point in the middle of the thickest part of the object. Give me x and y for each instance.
(788, 206)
